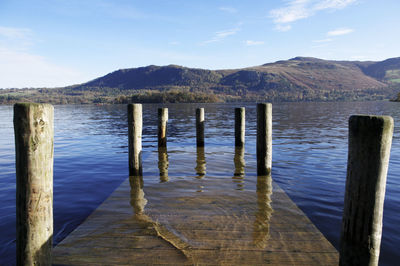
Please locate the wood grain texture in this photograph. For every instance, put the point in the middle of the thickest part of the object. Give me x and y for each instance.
(34, 134)
(166, 224)
(370, 140)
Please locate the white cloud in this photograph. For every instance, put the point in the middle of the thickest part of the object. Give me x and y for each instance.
(333, 4)
(228, 9)
(14, 33)
(323, 40)
(253, 43)
(225, 33)
(341, 31)
(17, 38)
(280, 27)
(20, 69)
(300, 9)
(221, 35)
(359, 57)
(294, 10)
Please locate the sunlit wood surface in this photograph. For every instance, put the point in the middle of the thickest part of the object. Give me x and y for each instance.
(168, 223)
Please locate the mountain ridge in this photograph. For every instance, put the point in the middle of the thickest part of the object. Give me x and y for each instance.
(294, 70)
(295, 79)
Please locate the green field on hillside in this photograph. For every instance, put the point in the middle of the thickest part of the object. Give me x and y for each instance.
(393, 75)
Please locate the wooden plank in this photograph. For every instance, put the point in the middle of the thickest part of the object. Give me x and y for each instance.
(164, 224)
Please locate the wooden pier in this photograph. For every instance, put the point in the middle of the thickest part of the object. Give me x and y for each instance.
(179, 222)
(174, 223)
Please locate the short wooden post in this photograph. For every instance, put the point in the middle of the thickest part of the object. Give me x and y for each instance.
(162, 127)
(264, 138)
(135, 139)
(200, 127)
(370, 139)
(34, 135)
(239, 126)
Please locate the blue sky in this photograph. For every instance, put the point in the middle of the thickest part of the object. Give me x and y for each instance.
(47, 43)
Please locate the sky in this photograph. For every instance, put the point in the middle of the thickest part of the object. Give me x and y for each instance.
(52, 43)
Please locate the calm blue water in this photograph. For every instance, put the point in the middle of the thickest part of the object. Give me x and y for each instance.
(309, 160)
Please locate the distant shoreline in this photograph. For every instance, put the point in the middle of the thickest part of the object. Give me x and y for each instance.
(70, 96)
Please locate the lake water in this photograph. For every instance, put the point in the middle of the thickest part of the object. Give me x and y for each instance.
(309, 160)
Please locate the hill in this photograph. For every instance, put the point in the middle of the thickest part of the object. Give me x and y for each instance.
(387, 70)
(296, 79)
(297, 73)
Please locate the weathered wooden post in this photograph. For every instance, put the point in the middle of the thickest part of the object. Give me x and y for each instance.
(370, 139)
(34, 134)
(240, 122)
(264, 138)
(162, 127)
(200, 127)
(135, 139)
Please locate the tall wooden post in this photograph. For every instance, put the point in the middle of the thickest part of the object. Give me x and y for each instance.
(34, 134)
(264, 138)
(239, 126)
(135, 139)
(162, 127)
(200, 127)
(370, 139)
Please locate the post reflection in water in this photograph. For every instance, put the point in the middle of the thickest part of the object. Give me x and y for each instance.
(200, 163)
(238, 176)
(163, 164)
(264, 211)
(138, 201)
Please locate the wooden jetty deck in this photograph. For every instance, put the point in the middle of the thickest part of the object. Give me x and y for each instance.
(181, 222)
(175, 223)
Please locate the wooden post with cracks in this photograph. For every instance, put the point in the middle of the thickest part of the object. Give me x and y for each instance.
(370, 139)
(34, 136)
